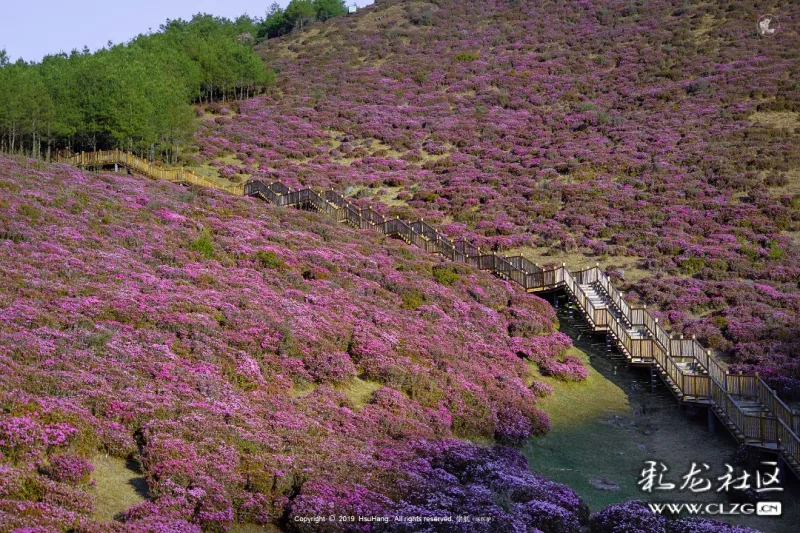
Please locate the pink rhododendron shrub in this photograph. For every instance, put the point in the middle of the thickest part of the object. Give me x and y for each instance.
(570, 368)
(70, 468)
(512, 426)
(336, 367)
(242, 354)
(326, 499)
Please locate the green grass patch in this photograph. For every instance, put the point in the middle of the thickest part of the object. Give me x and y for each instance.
(118, 487)
(203, 245)
(412, 299)
(359, 391)
(466, 56)
(692, 265)
(269, 259)
(445, 275)
(586, 440)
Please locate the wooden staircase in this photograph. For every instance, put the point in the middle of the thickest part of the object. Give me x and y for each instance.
(127, 160)
(744, 403)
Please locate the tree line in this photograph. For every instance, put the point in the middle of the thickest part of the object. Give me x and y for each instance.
(298, 13)
(137, 96)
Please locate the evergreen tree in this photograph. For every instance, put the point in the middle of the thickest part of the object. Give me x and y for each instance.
(136, 96)
(328, 9)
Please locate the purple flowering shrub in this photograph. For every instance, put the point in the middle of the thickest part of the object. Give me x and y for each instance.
(324, 499)
(641, 147)
(218, 341)
(513, 427)
(70, 468)
(629, 517)
(547, 517)
(451, 478)
(336, 367)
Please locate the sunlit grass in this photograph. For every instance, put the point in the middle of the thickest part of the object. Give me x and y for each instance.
(118, 487)
(360, 391)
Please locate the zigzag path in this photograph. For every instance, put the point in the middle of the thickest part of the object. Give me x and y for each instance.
(744, 403)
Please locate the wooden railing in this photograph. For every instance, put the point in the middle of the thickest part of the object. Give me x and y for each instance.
(136, 164)
(685, 363)
(760, 427)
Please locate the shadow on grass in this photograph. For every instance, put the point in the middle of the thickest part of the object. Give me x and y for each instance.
(120, 485)
(604, 429)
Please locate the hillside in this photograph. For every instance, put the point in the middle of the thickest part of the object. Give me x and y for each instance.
(244, 366)
(175, 359)
(661, 140)
(238, 352)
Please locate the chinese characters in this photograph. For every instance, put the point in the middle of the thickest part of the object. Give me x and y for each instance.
(653, 477)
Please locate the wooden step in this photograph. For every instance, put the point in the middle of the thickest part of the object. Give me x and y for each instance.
(637, 333)
(693, 368)
(597, 300)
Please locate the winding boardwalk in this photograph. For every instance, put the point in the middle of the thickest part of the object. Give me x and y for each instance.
(744, 403)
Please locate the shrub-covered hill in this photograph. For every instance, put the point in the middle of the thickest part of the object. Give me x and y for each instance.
(262, 366)
(661, 134)
(255, 360)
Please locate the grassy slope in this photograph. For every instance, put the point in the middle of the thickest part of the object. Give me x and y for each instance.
(606, 428)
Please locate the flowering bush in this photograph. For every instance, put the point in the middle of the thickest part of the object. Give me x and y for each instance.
(70, 468)
(547, 517)
(336, 367)
(628, 516)
(224, 344)
(512, 426)
(325, 499)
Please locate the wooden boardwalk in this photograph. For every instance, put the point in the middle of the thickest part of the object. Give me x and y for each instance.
(744, 403)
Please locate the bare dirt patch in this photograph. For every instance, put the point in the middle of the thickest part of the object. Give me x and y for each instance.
(630, 265)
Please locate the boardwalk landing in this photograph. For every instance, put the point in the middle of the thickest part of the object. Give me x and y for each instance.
(745, 404)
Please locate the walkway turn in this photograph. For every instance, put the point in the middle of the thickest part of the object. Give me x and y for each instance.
(745, 404)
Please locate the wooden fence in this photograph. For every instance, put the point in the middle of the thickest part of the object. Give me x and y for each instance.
(684, 363)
